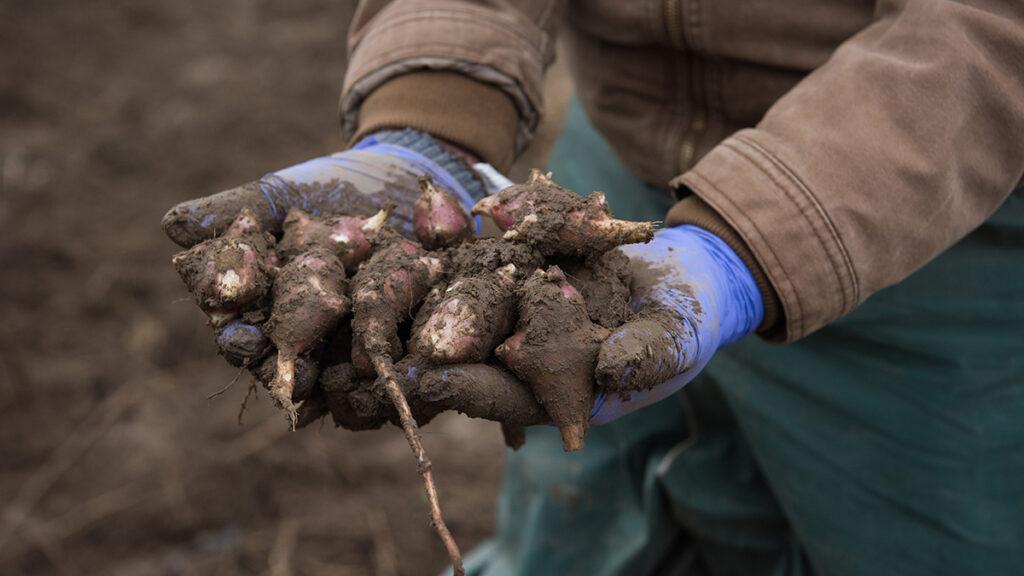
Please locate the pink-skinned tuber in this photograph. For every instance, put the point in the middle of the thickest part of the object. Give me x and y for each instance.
(474, 314)
(557, 222)
(438, 219)
(349, 237)
(386, 289)
(309, 301)
(230, 273)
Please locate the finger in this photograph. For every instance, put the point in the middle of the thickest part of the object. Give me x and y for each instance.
(193, 221)
(350, 399)
(482, 391)
(614, 406)
(352, 182)
(645, 352)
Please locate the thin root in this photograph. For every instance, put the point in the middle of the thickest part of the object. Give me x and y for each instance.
(386, 370)
(230, 384)
(250, 392)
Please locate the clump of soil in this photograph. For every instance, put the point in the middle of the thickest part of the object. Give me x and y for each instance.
(604, 282)
(554, 350)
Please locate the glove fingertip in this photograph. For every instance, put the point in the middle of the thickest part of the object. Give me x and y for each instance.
(618, 359)
(640, 355)
(183, 227)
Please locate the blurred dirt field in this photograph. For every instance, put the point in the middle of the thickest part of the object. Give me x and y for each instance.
(112, 459)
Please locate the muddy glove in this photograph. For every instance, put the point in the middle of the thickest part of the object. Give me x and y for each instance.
(476, 390)
(381, 169)
(692, 295)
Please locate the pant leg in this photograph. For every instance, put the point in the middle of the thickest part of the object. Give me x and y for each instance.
(718, 497)
(894, 438)
(598, 511)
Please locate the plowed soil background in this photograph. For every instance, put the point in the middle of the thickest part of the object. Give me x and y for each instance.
(112, 459)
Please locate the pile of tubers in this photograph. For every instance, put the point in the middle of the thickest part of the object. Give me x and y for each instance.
(344, 316)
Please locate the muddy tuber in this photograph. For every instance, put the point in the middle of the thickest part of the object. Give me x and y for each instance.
(473, 315)
(348, 237)
(438, 219)
(229, 273)
(557, 222)
(554, 350)
(309, 301)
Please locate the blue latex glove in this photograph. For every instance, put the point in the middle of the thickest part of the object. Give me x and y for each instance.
(381, 169)
(693, 293)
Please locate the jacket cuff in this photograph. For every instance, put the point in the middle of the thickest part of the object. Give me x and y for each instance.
(694, 211)
(498, 47)
(446, 105)
(781, 222)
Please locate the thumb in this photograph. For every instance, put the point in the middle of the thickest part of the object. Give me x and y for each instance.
(654, 347)
(482, 391)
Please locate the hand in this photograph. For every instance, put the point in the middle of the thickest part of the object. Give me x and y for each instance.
(383, 169)
(691, 295)
(476, 390)
(358, 181)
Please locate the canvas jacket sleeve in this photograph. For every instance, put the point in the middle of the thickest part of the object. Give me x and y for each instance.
(470, 72)
(904, 141)
(908, 138)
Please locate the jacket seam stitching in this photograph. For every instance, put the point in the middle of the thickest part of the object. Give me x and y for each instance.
(454, 48)
(732, 145)
(692, 13)
(850, 295)
(542, 24)
(802, 210)
(444, 51)
(799, 318)
(449, 15)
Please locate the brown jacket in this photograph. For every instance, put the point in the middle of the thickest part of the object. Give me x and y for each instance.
(839, 145)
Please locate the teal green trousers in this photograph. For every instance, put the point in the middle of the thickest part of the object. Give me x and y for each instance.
(889, 442)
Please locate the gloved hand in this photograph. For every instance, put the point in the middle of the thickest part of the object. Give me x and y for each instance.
(692, 295)
(382, 169)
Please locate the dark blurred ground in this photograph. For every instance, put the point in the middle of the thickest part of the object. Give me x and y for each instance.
(112, 460)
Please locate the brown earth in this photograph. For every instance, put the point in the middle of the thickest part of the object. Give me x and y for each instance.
(113, 460)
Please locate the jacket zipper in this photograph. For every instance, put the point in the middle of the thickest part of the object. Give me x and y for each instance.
(672, 10)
